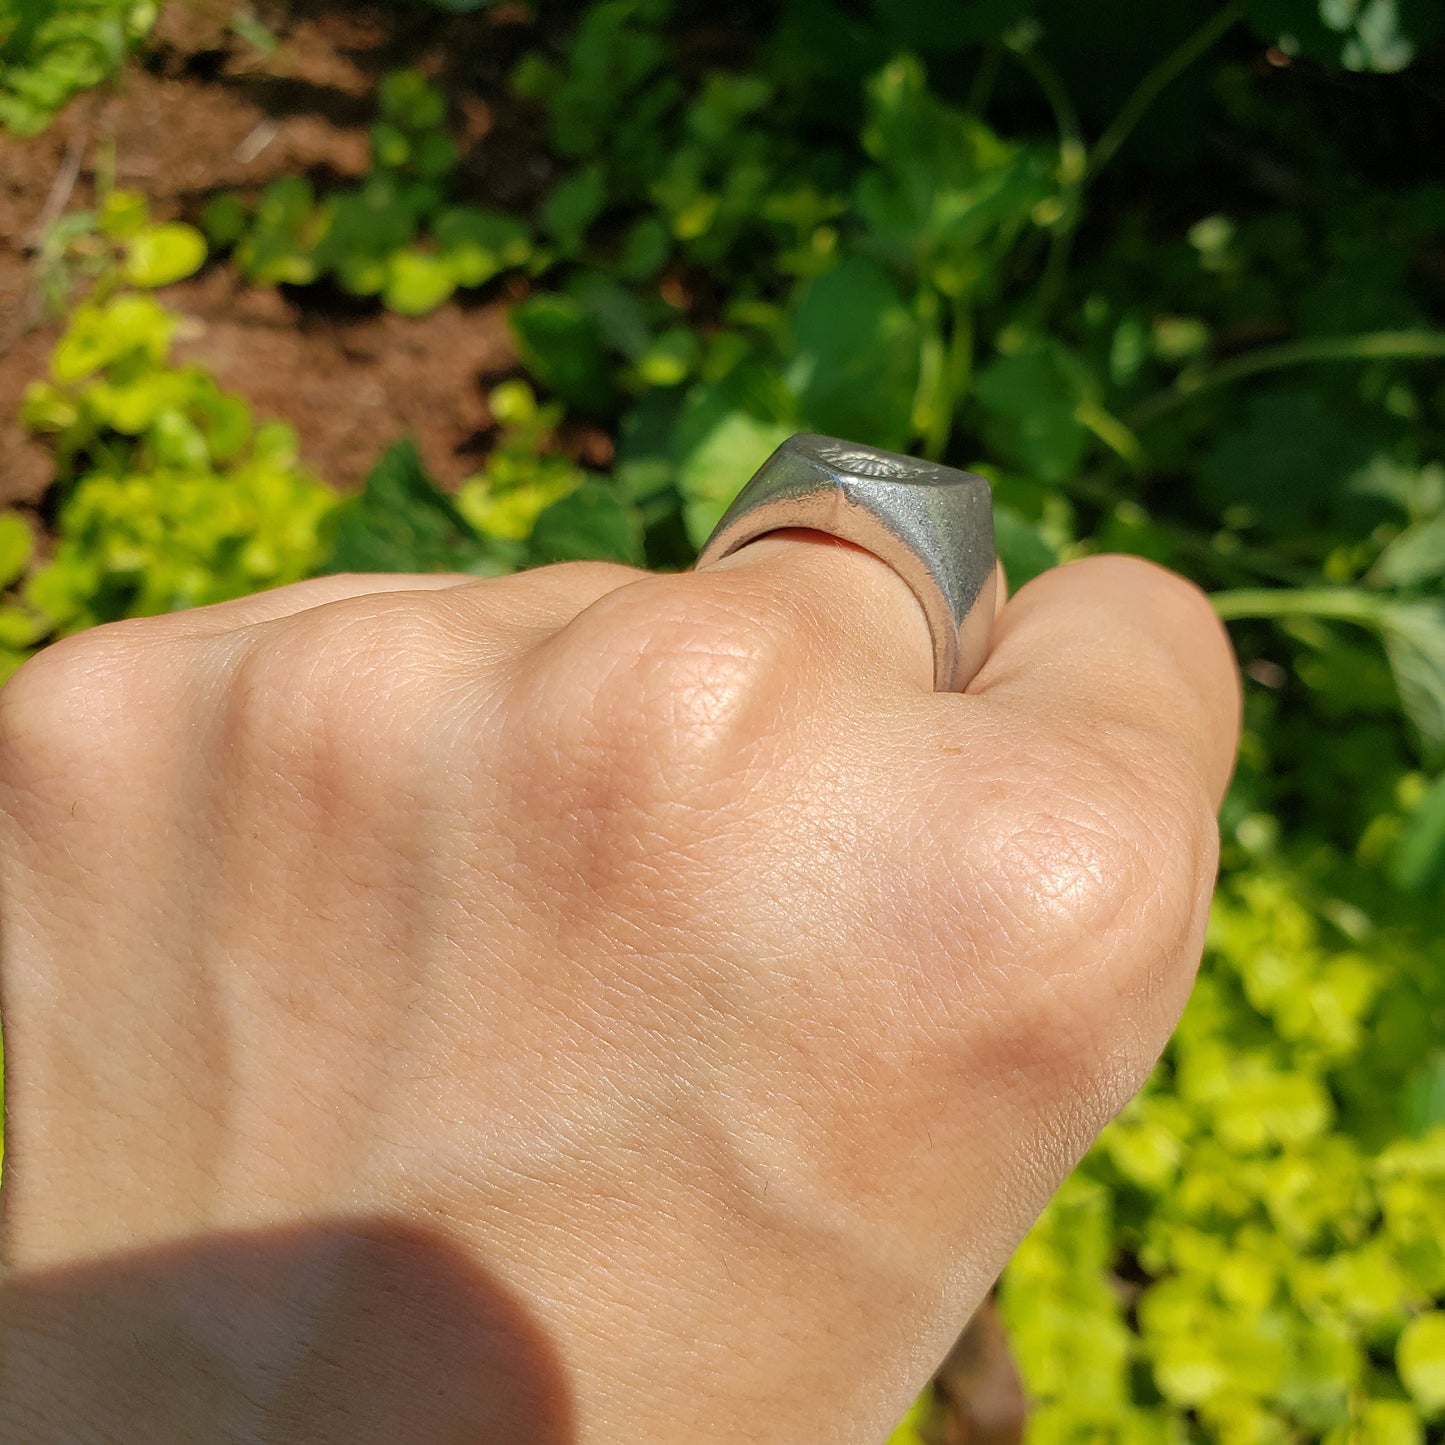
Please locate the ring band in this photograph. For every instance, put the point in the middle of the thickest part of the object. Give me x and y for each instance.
(932, 524)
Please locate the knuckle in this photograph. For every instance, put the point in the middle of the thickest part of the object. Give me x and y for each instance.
(666, 686)
(336, 699)
(643, 720)
(76, 705)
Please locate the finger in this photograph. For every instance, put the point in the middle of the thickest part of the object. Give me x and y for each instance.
(543, 597)
(280, 602)
(854, 614)
(1115, 647)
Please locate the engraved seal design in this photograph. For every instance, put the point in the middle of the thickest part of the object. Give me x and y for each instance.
(858, 462)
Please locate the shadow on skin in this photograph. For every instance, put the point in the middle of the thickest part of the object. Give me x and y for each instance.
(366, 1331)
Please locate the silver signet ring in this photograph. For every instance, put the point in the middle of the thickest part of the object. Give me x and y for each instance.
(933, 525)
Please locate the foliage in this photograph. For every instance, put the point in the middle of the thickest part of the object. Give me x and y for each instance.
(527, 508)
(52, 49)
(167, 493)
(987, 232)
(396, 235)
(1280, 1185)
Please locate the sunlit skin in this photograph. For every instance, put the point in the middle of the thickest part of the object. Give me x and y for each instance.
(577, 1007)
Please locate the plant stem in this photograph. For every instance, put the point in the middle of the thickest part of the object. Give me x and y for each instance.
(1369, 346)
(1148, 89)
(1337, 604)
(1073, 167)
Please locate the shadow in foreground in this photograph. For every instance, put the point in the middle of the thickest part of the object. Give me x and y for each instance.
(367, 1331)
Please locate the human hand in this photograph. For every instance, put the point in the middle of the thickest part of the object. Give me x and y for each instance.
(582, 1006)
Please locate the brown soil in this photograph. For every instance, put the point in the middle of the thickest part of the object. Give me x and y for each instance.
(205, 112)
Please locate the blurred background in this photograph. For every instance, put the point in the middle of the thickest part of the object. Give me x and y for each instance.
(288, 288)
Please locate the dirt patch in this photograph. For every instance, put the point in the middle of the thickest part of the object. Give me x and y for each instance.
(208, 110)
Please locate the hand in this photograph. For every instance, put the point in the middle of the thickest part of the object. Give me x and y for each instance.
(580, 1007)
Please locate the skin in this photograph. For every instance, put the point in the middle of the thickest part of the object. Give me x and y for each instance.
(578, 1007)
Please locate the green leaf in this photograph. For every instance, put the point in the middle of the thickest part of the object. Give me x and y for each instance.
(479, 245)
(1414, 635)
(1422, 1099)
(561, 343)
(17, 544)
(669, 358)
(715, 467)
(417, 282)
(645, 251)
(402, 522)
(1031, 401)
(128, 328)
(123, 214)
(1286, 459)
(410, 101)
(1419, 857)
(1420, 1357)
(1416, 557)
(591, 523)
(225, 219)
(572, 205)
(1387, 1422)
(946, 197)
(160, 255)
(1023, 552)
(856, 351)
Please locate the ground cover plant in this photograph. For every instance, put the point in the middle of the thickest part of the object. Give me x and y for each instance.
(1176, 289)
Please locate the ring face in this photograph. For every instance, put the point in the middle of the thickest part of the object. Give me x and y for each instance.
(932, 524)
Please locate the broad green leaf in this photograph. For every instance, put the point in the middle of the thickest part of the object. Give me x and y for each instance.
(713, 470)
(1285, 460)
(510, 514)
(402, 522)
(645, 251)
(123, 214)
(410, 101)
(390, 145)
(128, 326)
(225, 219)
(21, 629)
(1423, 1097)
(669, 358)
(44, 407)
(1414, 635)
(1387, 1422)
(725, 430)
(1021, 549)
(159, 255)
(855, 356)
(17, 543)
(478, 244)
(1420, 1356)
(417, 282)
(561, 343)
(946, 196)
(1416, 558)
(1031, 402)
(572, 205)
(591, 522)
(1419, 856)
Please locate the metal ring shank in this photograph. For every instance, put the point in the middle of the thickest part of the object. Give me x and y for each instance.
(931, 524)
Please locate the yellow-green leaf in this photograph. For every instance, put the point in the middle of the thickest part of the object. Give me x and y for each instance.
(1420, 1357)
